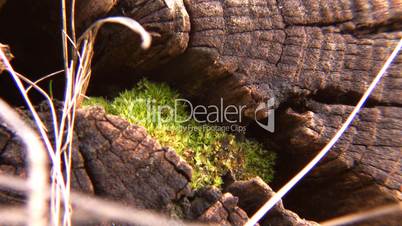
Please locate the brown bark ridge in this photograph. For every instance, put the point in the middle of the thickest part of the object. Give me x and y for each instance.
(126, 164)
(88, 11)
(210, 205)
(254, 193)
(116, 160)
(256, 50)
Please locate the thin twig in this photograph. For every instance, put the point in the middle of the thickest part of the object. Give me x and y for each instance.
(46, 96)
(34, 113)
(43, 78)
(130, 23)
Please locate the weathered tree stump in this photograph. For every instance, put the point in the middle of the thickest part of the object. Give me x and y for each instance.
(316, 58)
(298, 52)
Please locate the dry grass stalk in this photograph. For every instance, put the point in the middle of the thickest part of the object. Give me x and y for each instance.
(77, 73)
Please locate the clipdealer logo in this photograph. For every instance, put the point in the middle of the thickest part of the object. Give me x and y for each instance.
(269, 109)
(211, 114)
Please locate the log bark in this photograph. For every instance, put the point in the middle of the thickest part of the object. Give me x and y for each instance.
(325, 51)
(362, 171)
(88, 11)
(252, 196)
(116, 160)
(256, 52)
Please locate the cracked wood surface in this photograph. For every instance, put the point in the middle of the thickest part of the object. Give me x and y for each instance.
(113, 159)
(297, 51)
(326, 51)
(126, 164)
(254, 193)
(116, 160)
(362, 171)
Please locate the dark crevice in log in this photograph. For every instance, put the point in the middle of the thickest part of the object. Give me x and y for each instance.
(334, 96)
(32, 29)
(349, 172)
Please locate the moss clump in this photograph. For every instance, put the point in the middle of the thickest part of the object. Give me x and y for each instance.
(210, 152)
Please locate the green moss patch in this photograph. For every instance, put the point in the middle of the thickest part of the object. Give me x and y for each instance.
(210, 152)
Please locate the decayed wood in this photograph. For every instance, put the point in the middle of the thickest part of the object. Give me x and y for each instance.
(120, 161)
(88, 11)
(362, 171)
(266, 55)
(119, 51)
(315, 57)
(324, 51)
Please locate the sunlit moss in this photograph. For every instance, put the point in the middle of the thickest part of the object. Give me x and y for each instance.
(211, 153)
